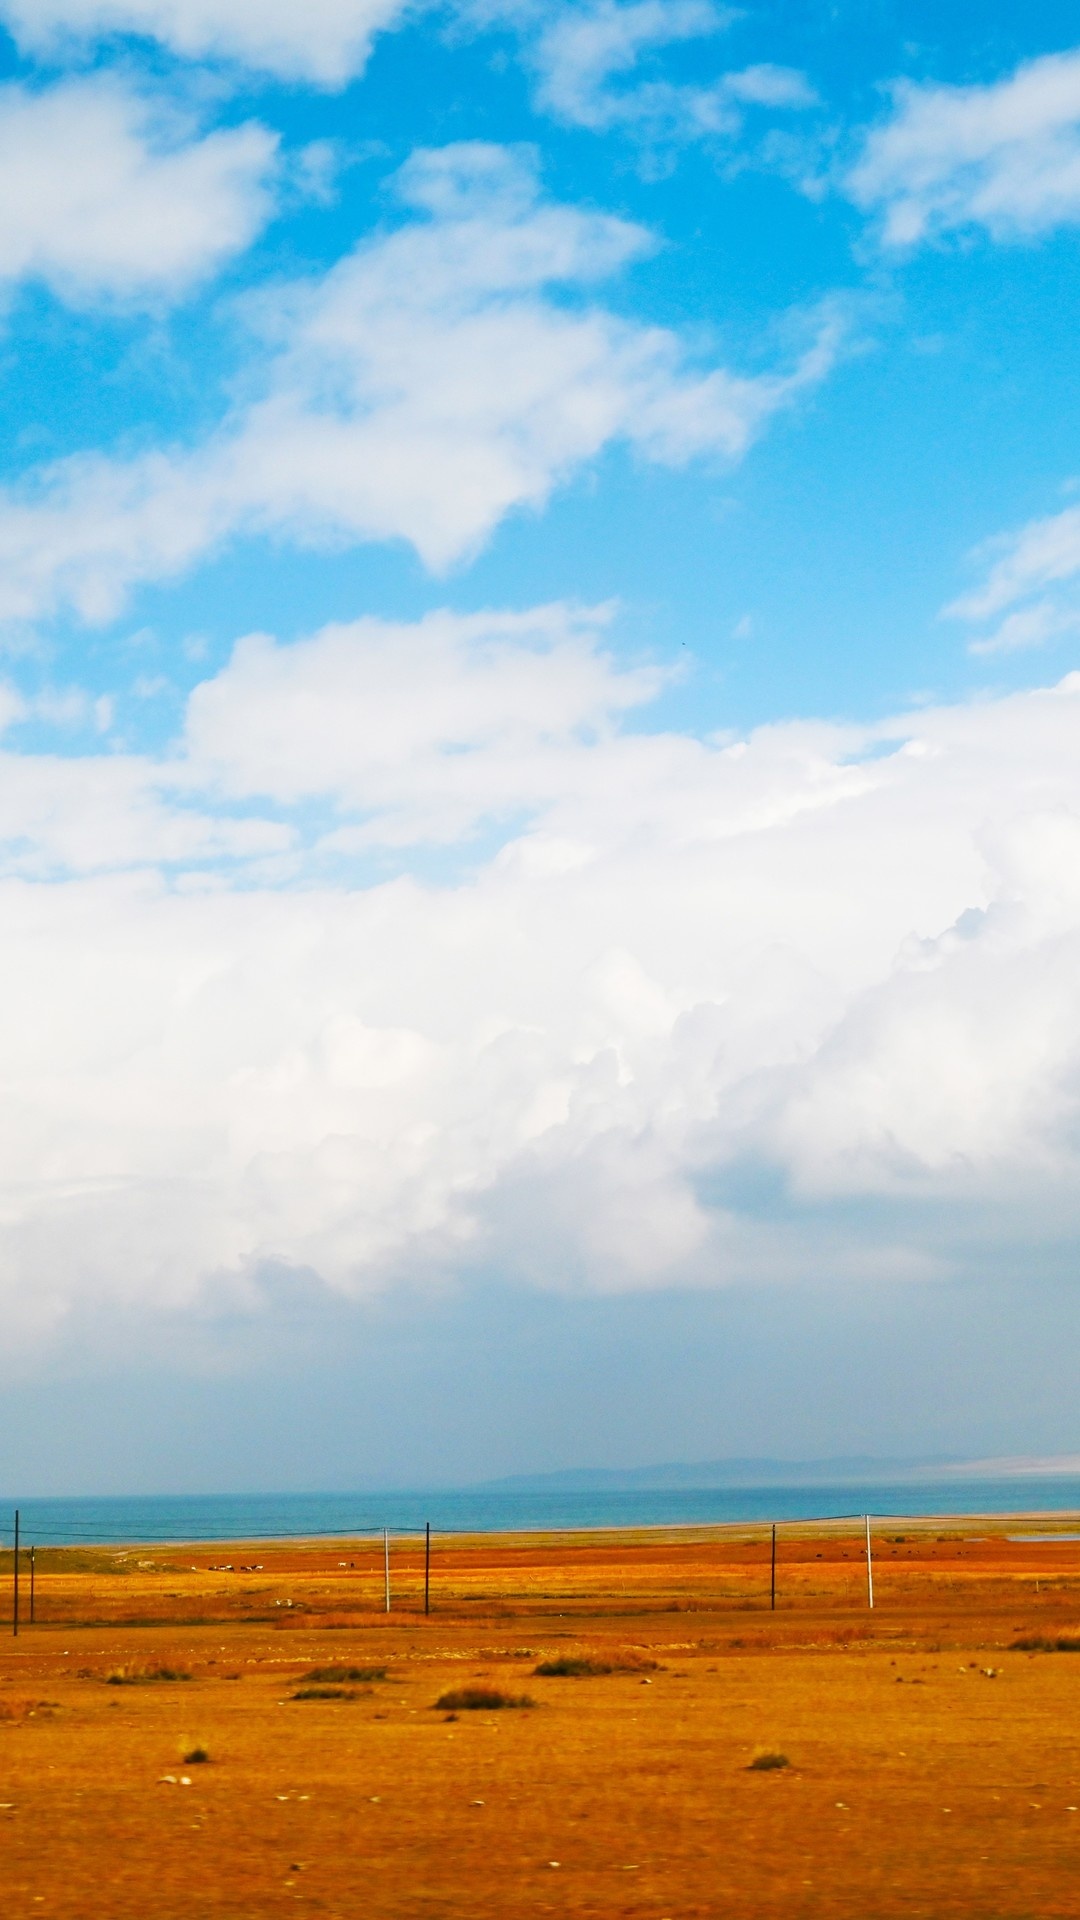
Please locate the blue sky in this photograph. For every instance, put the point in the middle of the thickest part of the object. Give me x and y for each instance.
(837, 544)
(539, 794)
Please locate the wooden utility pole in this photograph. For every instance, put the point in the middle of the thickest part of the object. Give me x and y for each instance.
(15, 1580)
(869, 1568)
(427, 1567)
(772, 1578)
(386, 1563)
(31, 1586)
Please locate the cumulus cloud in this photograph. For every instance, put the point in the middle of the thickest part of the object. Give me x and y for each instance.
(587, 58)
(105, 192)
(695, 1010)
(326, 41)
(1004, 157)
(440, 376)
(1031, 589)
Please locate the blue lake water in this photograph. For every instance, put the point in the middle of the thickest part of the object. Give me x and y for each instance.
(497, 1510)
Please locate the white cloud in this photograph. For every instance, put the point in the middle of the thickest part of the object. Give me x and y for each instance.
(583, 54)
(582, 49)
(1004, 157)
(326, 41)
(104, 192)
(577, 51)
(1031, 592)
(428, 732)
(434, 380)
(62, 816)
(836, 967)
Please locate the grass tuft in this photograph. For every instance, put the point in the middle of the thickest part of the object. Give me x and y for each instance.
(478, 1699)
(132, 1676)
(570, 1666)
(1037, 1643)
(343, 1676)
(198, 1757)
(768, 1763)
(581, 1666)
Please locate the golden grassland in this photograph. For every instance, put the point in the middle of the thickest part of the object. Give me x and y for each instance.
(933, 1765)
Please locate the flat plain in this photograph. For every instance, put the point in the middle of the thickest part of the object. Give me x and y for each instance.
(933, 1764)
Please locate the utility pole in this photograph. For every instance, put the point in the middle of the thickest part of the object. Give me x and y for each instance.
(427, 1567)
(386, 1563)
(15, 1580)
(772, 1580)
(869, 1568)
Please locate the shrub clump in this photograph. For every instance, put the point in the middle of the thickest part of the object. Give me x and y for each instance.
(580, 1666)
(479, 1699)
(343, 1676)
(198, 1757)
(144, 1676)
(1036, 1643)
(324, 1693)
(570, 1666)
(768, 1762)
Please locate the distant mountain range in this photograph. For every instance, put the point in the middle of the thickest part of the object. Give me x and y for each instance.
(843, 1469)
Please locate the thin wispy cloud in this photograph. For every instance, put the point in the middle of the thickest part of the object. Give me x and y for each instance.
(1030, 591)
(593, 66)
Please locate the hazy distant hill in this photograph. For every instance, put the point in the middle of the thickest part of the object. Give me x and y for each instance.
(853, 1469)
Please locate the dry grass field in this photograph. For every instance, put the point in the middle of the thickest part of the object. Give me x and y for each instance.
(933, 1767)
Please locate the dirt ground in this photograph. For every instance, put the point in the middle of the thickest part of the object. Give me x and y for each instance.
(933, 1765)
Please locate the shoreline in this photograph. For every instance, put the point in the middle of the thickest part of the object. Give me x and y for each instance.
(1056, 1521)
